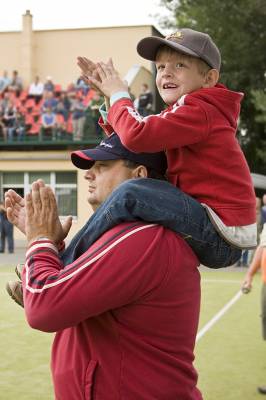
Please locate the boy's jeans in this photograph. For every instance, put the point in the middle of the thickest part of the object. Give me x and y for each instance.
(159, 202)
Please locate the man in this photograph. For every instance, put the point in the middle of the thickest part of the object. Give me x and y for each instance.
(6, 231)
(259, 262)
(126, 311)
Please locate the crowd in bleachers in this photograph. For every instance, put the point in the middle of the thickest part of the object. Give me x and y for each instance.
(46, 111)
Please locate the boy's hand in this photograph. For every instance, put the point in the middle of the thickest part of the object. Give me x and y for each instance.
(109, 81)
(89, 69)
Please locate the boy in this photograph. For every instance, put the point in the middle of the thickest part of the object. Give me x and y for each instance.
(213, 205)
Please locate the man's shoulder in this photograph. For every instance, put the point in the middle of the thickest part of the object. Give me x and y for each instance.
(141, 233)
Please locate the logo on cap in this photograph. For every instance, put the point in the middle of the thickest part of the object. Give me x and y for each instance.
(176, 35)
(103, 144)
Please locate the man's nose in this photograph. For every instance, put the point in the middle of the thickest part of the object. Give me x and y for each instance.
(89, 174)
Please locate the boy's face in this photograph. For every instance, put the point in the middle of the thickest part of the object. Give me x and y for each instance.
(176, 75)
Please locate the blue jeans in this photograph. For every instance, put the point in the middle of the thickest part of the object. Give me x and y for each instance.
(159, 202)
(6, 234)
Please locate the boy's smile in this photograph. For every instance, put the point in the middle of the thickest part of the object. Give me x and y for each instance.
(176, 75)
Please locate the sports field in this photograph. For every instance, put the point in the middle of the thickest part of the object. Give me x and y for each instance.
(230, 355)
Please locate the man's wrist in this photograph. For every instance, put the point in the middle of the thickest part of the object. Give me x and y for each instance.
(40, 238)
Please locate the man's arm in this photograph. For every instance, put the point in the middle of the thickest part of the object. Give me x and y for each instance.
(253, 268)
(118, 269)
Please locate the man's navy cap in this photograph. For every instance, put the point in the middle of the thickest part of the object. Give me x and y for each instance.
(111, 148)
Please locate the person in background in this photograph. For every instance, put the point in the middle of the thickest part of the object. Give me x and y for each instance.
(48, 124)
(145, 101)
(9, 120)
(6, 231)
(78, 116)
(94, 106)
(36, 90)
(4, 82)
(16, 84)
(50, 101)
(258, 262)
(263, 210)
(49, 84)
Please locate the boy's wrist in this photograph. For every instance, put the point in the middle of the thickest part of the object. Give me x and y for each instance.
(119, 95)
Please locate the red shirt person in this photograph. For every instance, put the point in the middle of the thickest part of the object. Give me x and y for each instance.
(126, 312)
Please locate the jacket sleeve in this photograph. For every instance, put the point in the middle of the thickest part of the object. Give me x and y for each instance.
(119, 272)
(182, 125)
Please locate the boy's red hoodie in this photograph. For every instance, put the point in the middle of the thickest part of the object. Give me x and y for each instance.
(205, 160)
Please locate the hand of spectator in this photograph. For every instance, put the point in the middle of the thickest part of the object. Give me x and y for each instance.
(247, 284)
(42, 218)
(15, 209)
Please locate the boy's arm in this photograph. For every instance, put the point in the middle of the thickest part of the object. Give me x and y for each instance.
(184, 124)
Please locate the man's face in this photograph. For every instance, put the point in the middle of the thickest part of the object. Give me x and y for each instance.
(103, 177)
(176, 75)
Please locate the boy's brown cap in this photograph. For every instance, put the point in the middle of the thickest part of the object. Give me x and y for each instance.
(186, 41)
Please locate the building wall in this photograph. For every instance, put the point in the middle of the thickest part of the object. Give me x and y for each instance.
(49, 161)
(54, 52)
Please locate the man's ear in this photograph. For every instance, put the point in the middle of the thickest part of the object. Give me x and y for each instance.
(211, 78)
(140, 172)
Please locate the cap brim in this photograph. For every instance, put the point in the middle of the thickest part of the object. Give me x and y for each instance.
(148, 47)
(84, 159)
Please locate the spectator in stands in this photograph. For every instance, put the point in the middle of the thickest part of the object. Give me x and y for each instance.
(4, 102)
(4, 82)
(49, 85)
(48, 127)
(49, 101)
(63, 105)
(82, 86)
(20, 127)
(145, 101)
(94, 105)
(36, 90)
(3, 133)
(9, 120)
(78, 117)
(16, 84)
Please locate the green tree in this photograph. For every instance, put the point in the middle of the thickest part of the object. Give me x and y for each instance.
(238, 28)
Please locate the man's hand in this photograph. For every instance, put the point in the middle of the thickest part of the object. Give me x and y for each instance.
(15, 209)
(42, 218)
(107, 80)
(247, 284)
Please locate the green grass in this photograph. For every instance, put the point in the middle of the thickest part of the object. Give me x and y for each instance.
(230, 357)
(25, 353)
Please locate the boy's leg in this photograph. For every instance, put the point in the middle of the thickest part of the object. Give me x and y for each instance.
(159, 202)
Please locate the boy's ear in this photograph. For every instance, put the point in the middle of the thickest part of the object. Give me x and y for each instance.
(211, 78)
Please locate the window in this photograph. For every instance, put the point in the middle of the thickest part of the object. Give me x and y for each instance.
(64, 185)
